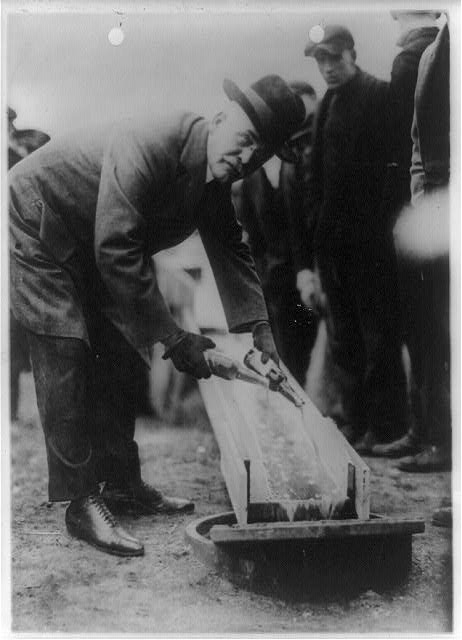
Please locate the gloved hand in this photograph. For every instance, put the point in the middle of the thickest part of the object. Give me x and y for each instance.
(263, 341)
(186, 350)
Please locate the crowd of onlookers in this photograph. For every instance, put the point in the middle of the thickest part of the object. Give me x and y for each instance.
(351, 242)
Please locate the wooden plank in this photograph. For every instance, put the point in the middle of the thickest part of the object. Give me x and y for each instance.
(232, 462)
(324, 529)
(230, 425)
(235, 436)
(235, 474)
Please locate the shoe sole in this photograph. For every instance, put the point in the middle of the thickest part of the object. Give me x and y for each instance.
(122, 505)
(424, 470)
(74, 531)
(441, 523)
(394, 455)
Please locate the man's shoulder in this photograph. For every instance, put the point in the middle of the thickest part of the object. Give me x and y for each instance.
(371, 90)
(368, 81)
(417, 40)
(160, 125)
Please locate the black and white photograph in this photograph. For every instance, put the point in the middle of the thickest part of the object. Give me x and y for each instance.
(230, 323)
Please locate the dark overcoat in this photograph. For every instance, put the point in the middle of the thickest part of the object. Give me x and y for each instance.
(402, 89)
(88, 211)
(349, 160)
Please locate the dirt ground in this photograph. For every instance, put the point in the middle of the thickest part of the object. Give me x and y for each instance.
(62, 585)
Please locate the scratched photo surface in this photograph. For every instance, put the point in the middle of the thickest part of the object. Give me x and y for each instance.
(300, 525)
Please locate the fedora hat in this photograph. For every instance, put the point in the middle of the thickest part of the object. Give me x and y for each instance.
(274, 109)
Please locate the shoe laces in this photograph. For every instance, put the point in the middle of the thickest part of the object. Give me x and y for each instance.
(102, 509)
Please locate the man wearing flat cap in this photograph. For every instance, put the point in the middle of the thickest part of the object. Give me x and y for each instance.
(352, 242)
(87, 212)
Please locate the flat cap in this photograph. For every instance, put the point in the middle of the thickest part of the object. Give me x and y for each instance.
(334, 39)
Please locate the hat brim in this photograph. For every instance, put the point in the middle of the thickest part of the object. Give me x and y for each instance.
(333, 49)
(302, 132)
(235, 94)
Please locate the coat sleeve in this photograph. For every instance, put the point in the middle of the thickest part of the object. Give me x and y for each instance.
(293, 186)
(232, 264)
(134, 171)
(313, 195)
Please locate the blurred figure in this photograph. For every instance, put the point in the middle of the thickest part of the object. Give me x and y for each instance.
(422, 242)
(21, 142)
(272, 215)
(352, 241)
(417, 30)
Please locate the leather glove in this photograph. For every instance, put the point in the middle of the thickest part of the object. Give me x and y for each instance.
(263, 341)
(186, 350)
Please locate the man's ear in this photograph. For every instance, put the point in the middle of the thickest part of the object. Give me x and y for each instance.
(218, 119)
(353, 54)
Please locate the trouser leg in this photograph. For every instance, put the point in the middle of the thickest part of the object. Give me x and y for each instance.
(425, 299)
(345, 345)
(436, 358)
(119, 373)
(61, 369)
(414, 313)
(365, 336)
(19, 361)
(386, 401)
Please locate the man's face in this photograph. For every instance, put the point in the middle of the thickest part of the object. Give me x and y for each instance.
(336, 69)
(234, 148)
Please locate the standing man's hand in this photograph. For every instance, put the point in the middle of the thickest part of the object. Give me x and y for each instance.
(263, 341)
(186, 350)
(309, 286)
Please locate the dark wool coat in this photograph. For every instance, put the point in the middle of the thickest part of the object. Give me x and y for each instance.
(88, 211)
(349, 160)
(353, 250)
(431, 124)
(402, 88)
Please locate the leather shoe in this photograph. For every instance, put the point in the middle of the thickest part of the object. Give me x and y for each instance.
(89, 519)
(364, 445)
(405, 446)
(143, 499)
(442, 517)
(432, 458)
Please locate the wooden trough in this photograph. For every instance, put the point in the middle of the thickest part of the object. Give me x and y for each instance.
(281, 462)
(300, 493)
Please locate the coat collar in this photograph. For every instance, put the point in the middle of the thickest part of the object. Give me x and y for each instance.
(194, 154)
(417, 36)
(352, 82)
